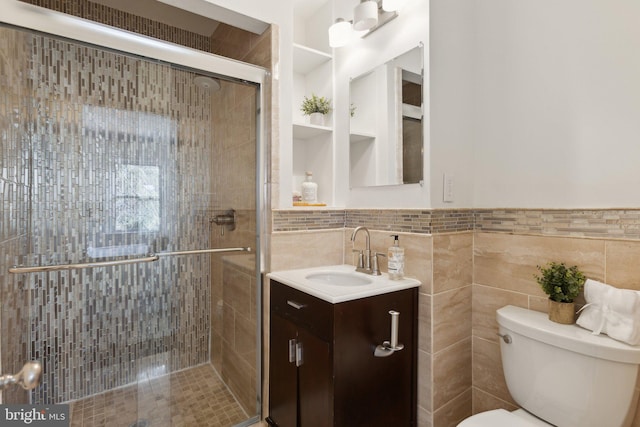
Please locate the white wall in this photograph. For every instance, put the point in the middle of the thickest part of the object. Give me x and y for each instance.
(557, 103)
(451, 99)
(531, 103)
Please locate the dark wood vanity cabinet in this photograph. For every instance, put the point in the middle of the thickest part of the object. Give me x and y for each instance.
(322, 368)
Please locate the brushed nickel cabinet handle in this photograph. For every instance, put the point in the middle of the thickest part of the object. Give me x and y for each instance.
(295, 304)
(292, 350)
(299, 359)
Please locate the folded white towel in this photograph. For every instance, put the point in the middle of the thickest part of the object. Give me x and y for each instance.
(611, 311)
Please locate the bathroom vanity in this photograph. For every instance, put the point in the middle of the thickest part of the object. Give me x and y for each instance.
(323, 370)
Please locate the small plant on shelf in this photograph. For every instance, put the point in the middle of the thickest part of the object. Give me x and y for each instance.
(563, 284)
(315, 104)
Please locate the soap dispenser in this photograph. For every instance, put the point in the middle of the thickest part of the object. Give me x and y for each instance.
(395, 259)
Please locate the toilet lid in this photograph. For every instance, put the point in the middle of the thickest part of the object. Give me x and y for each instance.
(502, 418)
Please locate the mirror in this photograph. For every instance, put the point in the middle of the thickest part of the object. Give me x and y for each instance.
(386, 126)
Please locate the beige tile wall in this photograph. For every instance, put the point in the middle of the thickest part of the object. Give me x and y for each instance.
(419, 254)
(443, 264)
(235, 320)
(451, 327)
(466, 277)
(504, 265)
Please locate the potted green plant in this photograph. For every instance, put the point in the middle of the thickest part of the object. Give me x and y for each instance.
(563, 284)
(316, 108)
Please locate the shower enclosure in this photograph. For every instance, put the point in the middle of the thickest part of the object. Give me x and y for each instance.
(129, 233)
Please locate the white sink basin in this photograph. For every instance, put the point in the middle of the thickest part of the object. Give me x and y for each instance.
(340, 283)
(338, 278)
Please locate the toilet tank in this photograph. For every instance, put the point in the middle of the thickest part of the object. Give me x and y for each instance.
(566, 375)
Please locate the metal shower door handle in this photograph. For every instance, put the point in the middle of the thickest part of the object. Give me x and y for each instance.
(28, 378)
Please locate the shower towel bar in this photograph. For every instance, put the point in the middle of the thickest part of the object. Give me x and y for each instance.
(150, 258)
(203, 251)
(57, 267)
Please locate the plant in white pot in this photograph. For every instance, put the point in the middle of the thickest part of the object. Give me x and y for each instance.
(563, 284)
(316, 107)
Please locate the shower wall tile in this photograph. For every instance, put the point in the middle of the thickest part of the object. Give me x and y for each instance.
(15, 181)
(233, 181)
(127, 21)
(88, 114)
(233, 173)
(242, 45)
(238, 357)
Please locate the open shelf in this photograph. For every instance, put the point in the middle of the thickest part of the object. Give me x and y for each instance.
(312, 145)
(307, 131)
(361, 136)
(306, 59)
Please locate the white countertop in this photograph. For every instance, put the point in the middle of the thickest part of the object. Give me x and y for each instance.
(338, 293)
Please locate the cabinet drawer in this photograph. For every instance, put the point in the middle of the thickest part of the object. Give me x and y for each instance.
(303, 309)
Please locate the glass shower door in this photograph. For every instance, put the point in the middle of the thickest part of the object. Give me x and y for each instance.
(15, 189)
(113, 166)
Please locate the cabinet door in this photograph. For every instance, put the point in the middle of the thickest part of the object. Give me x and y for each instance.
(375, 391)
(315, 379)
(283, 390)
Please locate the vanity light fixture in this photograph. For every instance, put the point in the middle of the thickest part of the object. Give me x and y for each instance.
(365, 15)
(340, 33)
(391, 5)
(368, 16)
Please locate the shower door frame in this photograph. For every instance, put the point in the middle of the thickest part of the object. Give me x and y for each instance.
(18, 14)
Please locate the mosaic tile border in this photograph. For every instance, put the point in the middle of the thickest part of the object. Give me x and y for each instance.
(412, 220)
(127, 21)
(298, 220)
(597, 223)
(603, 223)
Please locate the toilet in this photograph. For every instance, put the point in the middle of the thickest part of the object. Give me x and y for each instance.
(562, 375)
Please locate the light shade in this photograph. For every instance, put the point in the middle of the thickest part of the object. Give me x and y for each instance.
(391, 5)
(340, 33)
(365, 15)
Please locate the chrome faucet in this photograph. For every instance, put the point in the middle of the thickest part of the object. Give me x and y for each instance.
(367, 261)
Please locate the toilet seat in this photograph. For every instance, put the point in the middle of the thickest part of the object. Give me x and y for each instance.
(502, 418)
